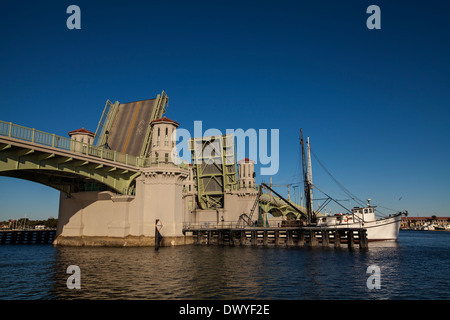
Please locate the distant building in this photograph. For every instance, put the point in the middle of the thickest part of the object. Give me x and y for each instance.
(417, 222)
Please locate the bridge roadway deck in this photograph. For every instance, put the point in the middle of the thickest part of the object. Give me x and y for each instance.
(35, 147)
(67, 168)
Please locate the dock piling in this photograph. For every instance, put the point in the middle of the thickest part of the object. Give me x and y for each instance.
(337, 239)
(350, 240)
(266, 236)
(363, 243)
(27, 236)
(325, 238)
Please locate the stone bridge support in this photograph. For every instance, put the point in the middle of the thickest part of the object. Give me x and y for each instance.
(107, 219)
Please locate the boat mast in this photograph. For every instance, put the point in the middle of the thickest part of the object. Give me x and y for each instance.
(306, 181)
(308, 150)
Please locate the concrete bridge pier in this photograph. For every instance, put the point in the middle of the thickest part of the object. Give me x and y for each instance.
(102, 218)
(159, 192)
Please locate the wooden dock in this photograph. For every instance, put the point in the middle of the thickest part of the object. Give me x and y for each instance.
(27, 236)
(288, 237)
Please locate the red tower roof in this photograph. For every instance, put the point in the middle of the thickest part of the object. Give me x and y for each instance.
(164, 119)
(246, 160)
(82, 130)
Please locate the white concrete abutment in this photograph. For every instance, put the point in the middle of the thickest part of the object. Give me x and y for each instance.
(102, 218)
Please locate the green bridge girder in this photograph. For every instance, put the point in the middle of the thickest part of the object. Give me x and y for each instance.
(65, 171)
(277, 207)
(214, 168)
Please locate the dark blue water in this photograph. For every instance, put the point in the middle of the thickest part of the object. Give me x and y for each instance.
(415, 267)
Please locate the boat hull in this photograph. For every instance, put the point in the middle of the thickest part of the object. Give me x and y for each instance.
(386, 229)
(382, 230)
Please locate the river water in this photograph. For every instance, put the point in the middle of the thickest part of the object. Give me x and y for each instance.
(415, 267)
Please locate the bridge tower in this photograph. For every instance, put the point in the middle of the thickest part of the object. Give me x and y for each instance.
(163, 139)
(105, 218)
(83, 137)
(246, 173)
(159, 189)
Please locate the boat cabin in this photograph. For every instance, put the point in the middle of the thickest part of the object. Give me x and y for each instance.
(358, 215)
(364, 214)
(358, 210)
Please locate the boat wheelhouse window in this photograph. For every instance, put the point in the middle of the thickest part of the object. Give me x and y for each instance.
(365, 210)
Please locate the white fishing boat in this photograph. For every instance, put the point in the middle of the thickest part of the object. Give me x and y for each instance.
(381, 229)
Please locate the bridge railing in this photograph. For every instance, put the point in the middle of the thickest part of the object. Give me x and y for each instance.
(160, 162)
(238, 224)
(51, 140)
(213, 225)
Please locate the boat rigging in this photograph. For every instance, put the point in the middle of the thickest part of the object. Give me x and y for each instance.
(386, 228)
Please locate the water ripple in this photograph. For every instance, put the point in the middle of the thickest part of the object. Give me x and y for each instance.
(413, 268)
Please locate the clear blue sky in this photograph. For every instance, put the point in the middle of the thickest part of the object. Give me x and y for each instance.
(375, 103)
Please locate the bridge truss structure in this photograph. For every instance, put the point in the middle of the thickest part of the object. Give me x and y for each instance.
(214, 168)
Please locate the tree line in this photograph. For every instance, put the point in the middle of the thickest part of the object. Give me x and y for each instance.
(25, 223)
